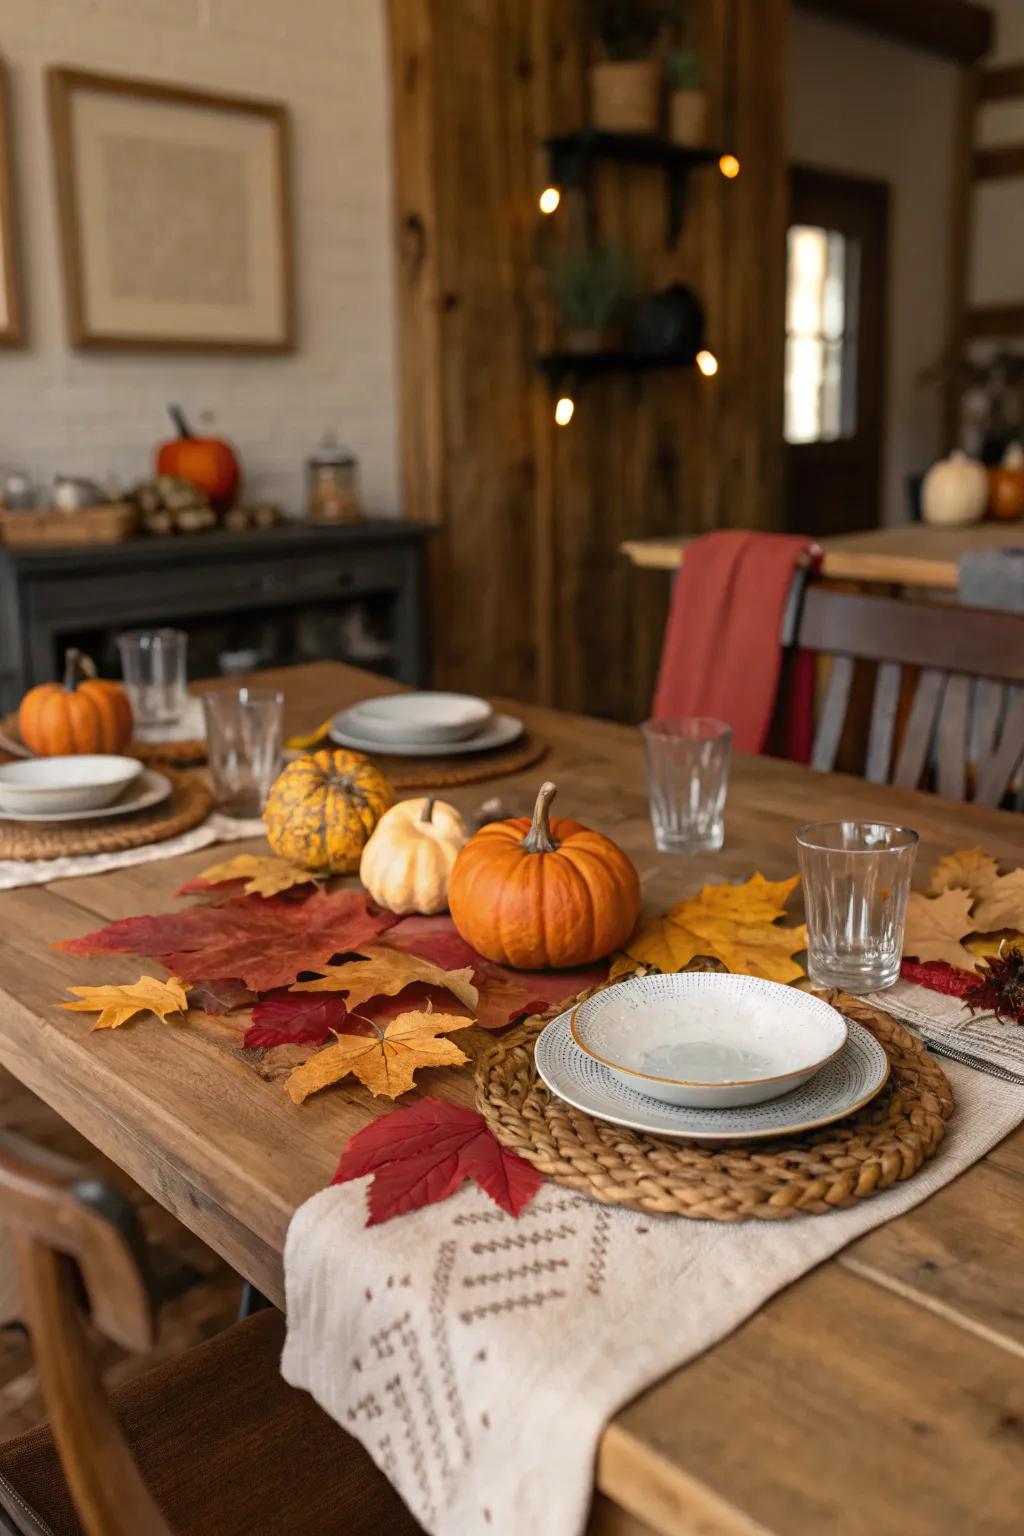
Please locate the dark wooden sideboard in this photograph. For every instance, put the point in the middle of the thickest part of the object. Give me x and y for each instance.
(298, 592)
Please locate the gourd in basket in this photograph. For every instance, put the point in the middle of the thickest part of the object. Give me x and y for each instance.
(322, 809)
(543, 894)
(84, 713)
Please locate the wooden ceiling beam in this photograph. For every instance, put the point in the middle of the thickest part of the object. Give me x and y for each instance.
(954, 29)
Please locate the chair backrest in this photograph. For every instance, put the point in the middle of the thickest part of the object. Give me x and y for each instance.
(70, 1229)
(948, 691)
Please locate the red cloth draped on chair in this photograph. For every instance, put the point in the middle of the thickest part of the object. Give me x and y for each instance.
(723, 649)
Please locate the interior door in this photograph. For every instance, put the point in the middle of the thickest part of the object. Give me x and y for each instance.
(836, 289)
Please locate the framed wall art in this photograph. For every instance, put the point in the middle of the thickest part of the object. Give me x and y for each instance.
(174, 215)
(11, 333)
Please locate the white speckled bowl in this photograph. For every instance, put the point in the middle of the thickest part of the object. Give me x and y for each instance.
(704, 1040)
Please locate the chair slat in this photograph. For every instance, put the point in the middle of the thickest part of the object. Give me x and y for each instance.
(952, 739)
(988, 707)
(883, 722)
(833, 714)
(996, 771)
(917, 737)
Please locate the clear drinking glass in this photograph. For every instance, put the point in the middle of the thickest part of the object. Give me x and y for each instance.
(154, 665)
(687, 777)
(243, 746)
(856, 879)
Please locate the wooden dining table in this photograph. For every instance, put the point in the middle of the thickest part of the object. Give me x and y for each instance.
(882, 1392)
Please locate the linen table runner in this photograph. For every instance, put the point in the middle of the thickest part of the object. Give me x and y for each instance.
(478, 1357)
(15, 873)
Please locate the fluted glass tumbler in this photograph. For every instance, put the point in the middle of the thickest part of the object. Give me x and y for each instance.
(856, 882)
(687, 777)
(243, 746)
(154, 664)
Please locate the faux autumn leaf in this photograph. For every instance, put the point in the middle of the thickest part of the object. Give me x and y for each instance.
(732, 923)
(263, 875)
(1001, 905)
(264, 942)
(384, 1062)
(283, 1017)
(969, 870)
(220, 996)
(424, 1153)
(384, 972)
(936, 925)
(116, 1005)
(434, 938)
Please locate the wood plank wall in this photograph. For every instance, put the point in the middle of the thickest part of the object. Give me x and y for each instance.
(531, 597)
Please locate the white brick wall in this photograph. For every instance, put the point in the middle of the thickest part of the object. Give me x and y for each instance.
(98, 414)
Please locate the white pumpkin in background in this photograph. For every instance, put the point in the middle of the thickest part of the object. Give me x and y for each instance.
(407, 860)
(955, 492)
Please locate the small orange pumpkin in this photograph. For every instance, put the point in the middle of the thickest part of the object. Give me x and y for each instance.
(206, 462)
(83, 714)
(543, 895)
(1006, 485)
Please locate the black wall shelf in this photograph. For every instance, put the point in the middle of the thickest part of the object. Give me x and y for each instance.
(572, 157)
(588, 365)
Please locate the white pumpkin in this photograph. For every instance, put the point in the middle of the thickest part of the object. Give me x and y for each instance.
(407, 861)
(955, 492)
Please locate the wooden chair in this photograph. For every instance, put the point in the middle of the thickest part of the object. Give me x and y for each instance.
(948, 706)
(213, 1443)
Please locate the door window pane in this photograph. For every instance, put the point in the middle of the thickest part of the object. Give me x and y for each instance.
(820, 352)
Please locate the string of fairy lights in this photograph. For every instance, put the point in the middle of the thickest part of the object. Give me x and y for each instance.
(549, 202)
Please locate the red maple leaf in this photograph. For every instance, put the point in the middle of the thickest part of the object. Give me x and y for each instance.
(283, 1017)
(263, 941)
(422, 1154)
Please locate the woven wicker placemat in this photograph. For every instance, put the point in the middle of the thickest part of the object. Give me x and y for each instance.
(439, 772)
(179, 754)
(189, 804)
(808, 1174)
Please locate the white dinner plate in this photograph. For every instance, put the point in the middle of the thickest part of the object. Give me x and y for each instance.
(149, 789)
(416, 719)
(843, 1085)
(708, 1039)
(500, 732)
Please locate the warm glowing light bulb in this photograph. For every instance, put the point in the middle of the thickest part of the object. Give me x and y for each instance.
(707, 362)
(549, 199)
(729, 166)
(564, 411)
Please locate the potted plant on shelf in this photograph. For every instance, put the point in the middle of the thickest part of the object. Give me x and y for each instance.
(687, 100)
(625, 85)
(592, 289)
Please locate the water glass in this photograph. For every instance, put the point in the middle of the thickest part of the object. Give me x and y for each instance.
(687, 777)
(856, 879)
(154, 666)
(243, 746)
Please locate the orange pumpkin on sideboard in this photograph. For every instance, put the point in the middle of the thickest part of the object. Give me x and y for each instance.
(207, 462)
(83, 714)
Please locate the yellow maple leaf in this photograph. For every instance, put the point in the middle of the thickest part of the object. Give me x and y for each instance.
(731, 923)
(986, 945)
(936, 925)
(116, 1005)
(969, 870)
(384, 972)
(263, 874)
(384, 1062)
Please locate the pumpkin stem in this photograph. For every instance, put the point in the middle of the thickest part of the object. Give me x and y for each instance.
(427, 813)
(72, 663)
(539, 839)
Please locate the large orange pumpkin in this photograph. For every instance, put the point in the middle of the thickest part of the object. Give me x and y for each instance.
(207, 462)
(544, 894)
(82, 714)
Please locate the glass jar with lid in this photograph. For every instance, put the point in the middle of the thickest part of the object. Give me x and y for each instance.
(332, 483)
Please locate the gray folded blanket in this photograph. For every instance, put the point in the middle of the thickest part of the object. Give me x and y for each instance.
(992, 578)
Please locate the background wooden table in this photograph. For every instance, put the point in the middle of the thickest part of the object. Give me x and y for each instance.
(910, 556)
(883, 1391)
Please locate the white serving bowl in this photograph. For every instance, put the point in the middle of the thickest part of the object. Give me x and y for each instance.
(704, 1040)
(417, 717)
(58, 784)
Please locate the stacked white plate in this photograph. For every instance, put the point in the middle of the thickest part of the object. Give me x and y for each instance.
(710, 1057)
(424, 724)
(83, 787)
